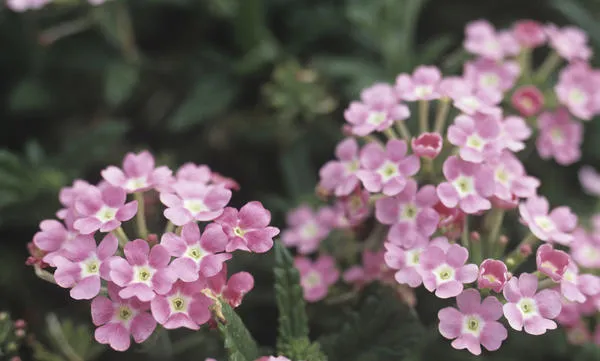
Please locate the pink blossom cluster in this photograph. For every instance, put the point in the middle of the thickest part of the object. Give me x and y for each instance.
(174, 279)
(25, 5)
(428, 209)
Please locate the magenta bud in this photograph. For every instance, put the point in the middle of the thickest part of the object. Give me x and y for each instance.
(527, 100)
(427, 145)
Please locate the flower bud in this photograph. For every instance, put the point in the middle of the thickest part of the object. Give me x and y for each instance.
(493, 274)
(20, 323)
(553, 263)
(527, 100)
(529, 33)
(427, 145)
(525, 250)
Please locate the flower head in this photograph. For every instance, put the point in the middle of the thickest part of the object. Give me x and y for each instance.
(590, 180)
(406, 261)
(560, 137)
(529, 33)
(194, 201)
(103, 209)
(138, 174)
(569, 42)
(183, 306)
(477, 136)
(482, 39)
(493, 274)
(577, 89)
(444, 271)
(306, 230)
(422, 85)
(491, 76)
(555, 226)
(317, 276)
(339, 176)
(248, 229)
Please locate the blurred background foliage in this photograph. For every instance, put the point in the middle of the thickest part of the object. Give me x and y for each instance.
(253, 88)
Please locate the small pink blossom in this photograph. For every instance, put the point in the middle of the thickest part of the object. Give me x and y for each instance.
(577, 89)
(422, 85)
(103, 210)
(470, 99)
(356, 207)
(482, 39)
(24, 5)
(475, 323)
(68, 196)
(145, 271)
(306, 230)
(514, 131)
(339, 176)
(56, 238)
(406, 261)
(510, 181)
(551, 262)
(444, 271)
(555, 226)
(410, 214)
(232, 290)
(585, 248)
(82, 268)
(119, 319)
(491, 76)
(529, 33)
(183, 306)
(526, 308)
(139, 173)
(578, 287)
(468, 186)
(386, 170)
(427, 145)
(373, 268)
(590, 180)
(317, 276)
(194, 201)
(248, 229)
(493, 274)
(528, 100)
(451, 220)
(378, 110)
(569, 42)
(560, 137)
(196, 254)
(477, 136)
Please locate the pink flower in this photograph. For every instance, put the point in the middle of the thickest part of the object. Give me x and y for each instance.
(528, 100)
(232, 290)
(577, 287)
(475, 323)
(196, 254)
(491, 76)
(470, 99)
(378, 110)
(510, 181)
(183, 306)
(82, 268)
(477, 136)
(577, 89)
(529, 33)
(373, 268)
(560, 137)
(569, 42)
(144, 273)
(248, 229)
(482, 39)
(306, 230)
(468, 185)
(493, 274)
(340, 175)
(410, 213)
(317, 276)
(386, 170)
(103, 210)
(138, 174)
(427, 145)
(551, 262)
(407, 262)
(24, 5)
(590, 180)
(355, 207)
(514, 131)
(273, 358)
(585, 249)
(194, 201)
(444, 271)
(555, 226)
(422, 85)
(197, 173)
(68, 196)
(119, 319)
(56, 238)
(525, 308)
(451, 220)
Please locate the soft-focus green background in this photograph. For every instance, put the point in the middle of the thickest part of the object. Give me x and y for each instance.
(253, 88)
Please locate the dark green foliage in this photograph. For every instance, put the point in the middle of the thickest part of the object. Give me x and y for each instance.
(238, 341)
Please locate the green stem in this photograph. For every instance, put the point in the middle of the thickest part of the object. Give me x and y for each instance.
(490, 243)
(423, 116)
(140, 217)
(44, 275)
(121, 236)
(126, 33)
(465, 233)
(403, 130)
(516, 257)
(525, 63)
(170, 227)
(548, 66)
(546, 283)
(390, 134)
(476, 251)
(441, 114)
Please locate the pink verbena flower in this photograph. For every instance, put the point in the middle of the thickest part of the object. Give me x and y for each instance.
(68, 196)
(555, 226)
(386, 170)
(273, 358)
(306, 230)
(514, 131)
(526, 308)
(193, 201)
(139, 173)
(510, 181)
(119, 319)
(410, 214)
(585, 248)
(493, 274)
(24, 5)
(339, 176)
(491, 76)
(196, 254)
(552, 262)
(353, 208)
(56, 238)
(378, 110)
(444, 271)
(422, 85)
(82, 268)
(577, 89)
(477, 136)
(373, 268)
(145, 272)
(528, 100)
(406, 261)
(578, 287)
(529, 33)
(470, 99)
(232, 290)
(560, 137)
(482, 39)
(474, 323)
(468, 185)
(590, 180)
(317, 276)
(569, 42)
(427, 145)
(183, 306)
(103, 209)
(248, 229)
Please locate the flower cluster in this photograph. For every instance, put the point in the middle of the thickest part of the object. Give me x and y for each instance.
(435, 202)
(174, 279)
(25, 5)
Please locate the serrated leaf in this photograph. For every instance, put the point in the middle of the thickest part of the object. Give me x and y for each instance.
(29, 95)
(119, 82)
(238, 341)
(382, 329)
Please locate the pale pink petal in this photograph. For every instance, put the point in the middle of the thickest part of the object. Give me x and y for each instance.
(142, 326)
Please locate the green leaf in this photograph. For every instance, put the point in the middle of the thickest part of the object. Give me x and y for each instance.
(211, 96)
(238, 341)
(29, 95)
(297, 169)
(120, 81)
(382, 329)
(433, 49)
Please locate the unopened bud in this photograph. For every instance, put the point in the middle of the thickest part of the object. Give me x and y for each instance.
(20, 323)
(153, 239)
(525, 250)
(347, 130)
(503, 240)
(475, 236)
(20, 333)
(322, 193)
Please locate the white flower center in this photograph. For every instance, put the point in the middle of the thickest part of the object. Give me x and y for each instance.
(143, 274)
(106, 214)
(528, 307)
(423, 90)
(471, 102)
(577, 97)
(557, 135)
(388, 170)
(195, 252)
(545, 223)
(490, 80)
(124, 314)
(412, 257)
(444, 273)
(90, 267)
(376, 118)
(195, 206)
(502, 176)
(570, 276)
(473, 324)
(312, 279)
(136, 183)
(239, 232)
(178, 303)
(352, 166)
(409, 212)
(476, 142)
(464, 185)
(309, 230)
